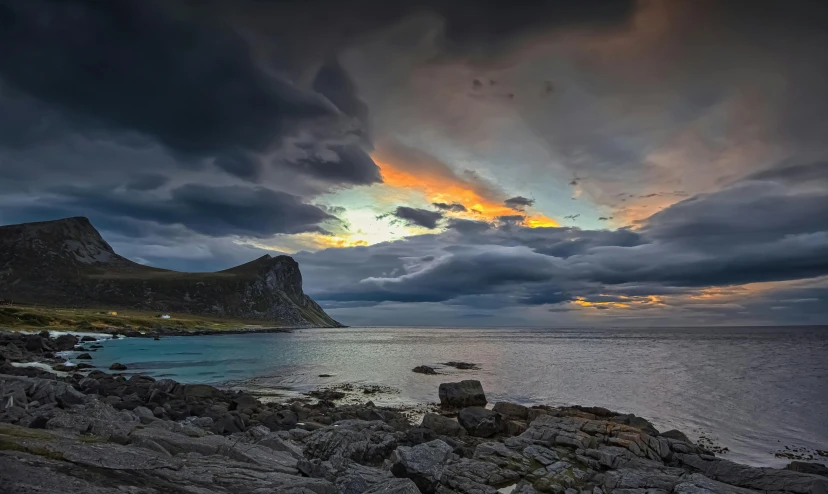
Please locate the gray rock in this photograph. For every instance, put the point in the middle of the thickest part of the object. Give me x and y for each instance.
(511, 410)
(479, 421)
(443, 425)
(12, 393)
(762, 479)
(499, 454)
(46, 391)
(394, 486)
(469, 476)
(22, 473)
(281, 420)
(367, 443)
(610, 456)
(34, 343)
(144, 414)
(96, 417)
(353, 478)
(628, 478)
(806, 467)
(11, 352)
(117, 366)
(676, 434)
(424, 463)
(514, 427)
(65, 342)
(424, 369)
(229, 448)
(277, 443)
(462, 394)
(699, 484)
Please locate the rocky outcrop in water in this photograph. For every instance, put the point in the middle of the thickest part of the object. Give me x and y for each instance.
(67, 263)
(106, 434)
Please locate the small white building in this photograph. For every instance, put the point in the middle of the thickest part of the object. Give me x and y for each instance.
(165, 316)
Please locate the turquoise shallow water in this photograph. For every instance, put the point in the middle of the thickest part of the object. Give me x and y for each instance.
(753, 390)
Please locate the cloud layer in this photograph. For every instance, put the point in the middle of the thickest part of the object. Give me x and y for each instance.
(440, 148)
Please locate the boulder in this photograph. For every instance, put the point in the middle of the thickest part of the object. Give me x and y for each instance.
(462, 394)
(200, 391)
(228, 424)
(676, 434)
(118, 366)
(84, 356)
(88, 338)
(34, 344)
(11, 352)
(443, 425)
(242, 401)
(424, 369)
(144, 414)
(479, 421)
(424, 463)
(511, 410)
(514, 427)
(281, 420)
(46, 391)
(65, 342)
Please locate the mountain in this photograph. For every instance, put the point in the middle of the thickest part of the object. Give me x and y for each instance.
(67, 263)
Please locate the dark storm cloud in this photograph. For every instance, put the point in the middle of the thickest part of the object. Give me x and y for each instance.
(454, 207)
(340, 163)
(104, 93)
(745, 213)
(467, 226)
(792, 174)
(213, 211)
(461, 274)
(511, 219)
(333, 82)
(518, 203)
(240, 163)
(148, 181)
(418, 217)
(754, 231)
(190, 82)
(128, 66)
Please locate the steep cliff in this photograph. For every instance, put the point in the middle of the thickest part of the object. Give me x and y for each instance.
(67, 263)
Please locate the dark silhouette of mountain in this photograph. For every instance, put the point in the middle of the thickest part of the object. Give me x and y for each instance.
(66, 263)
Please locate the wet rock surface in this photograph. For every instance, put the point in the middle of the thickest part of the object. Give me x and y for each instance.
(103, 433)
(424, 369)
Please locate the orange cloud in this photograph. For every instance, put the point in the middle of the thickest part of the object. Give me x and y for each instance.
(626, 302)
(410, 169)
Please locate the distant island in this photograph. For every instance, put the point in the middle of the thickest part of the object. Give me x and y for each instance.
(67, 264)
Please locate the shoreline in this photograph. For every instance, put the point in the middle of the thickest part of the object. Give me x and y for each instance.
(131, 323)
(769, 454)
(161, 435)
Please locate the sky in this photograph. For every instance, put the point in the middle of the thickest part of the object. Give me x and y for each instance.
(502, 163)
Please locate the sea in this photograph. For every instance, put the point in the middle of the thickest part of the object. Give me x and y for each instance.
(757, 393)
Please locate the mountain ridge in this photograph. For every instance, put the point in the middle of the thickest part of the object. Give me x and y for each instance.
(67, 262)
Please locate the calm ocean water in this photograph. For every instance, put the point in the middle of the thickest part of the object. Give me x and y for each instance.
(752, 390)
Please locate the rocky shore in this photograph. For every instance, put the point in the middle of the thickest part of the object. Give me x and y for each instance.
(95, 432)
